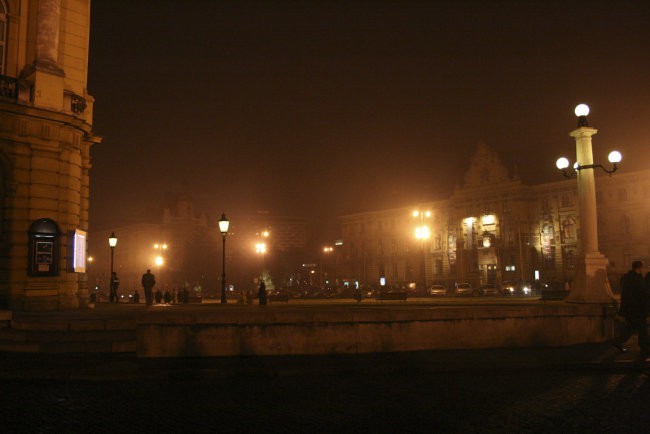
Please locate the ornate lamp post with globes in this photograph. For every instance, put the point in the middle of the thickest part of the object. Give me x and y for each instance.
(590, 284)
(422, 234)
(224, 224)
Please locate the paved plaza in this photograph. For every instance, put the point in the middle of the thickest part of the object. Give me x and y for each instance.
(587, 388)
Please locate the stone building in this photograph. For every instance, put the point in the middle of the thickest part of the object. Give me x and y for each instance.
(45, 140)
(495, 228)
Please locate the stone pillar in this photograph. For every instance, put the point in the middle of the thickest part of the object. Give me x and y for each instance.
(47, 35)
(590, 284)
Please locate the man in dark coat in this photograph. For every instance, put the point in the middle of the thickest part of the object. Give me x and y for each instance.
(634, 301)
(261, 294)
(115, 283)
(148, 282)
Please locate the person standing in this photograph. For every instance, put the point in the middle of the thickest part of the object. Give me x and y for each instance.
(261, 294)
(148, 282)
(115, 283)
(634, 300)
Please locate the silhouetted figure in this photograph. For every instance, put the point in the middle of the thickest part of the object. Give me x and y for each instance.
(356, 294)
(148, 282)
(115, 283)
(93, 297)
(167, 297)
(136, 297)
(186, 296)
(634, 299)
(159, 296)
(174, 296)
(261, 294)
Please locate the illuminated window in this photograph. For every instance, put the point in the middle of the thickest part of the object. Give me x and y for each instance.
(3, 35)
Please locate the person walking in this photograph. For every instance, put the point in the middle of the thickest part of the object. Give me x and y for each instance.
(115, 283)
(148, 282)
(634, 308)
(261, 294)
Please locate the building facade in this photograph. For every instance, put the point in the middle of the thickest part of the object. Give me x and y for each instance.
(45, 140)
(495, 228)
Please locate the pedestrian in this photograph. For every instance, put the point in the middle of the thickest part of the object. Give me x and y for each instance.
(159, 296)
(634, 308)
(136, 297)
(186, 296)
(115, 283)
(148, 282)
(174, 296)
(261, 294)
(167, 297)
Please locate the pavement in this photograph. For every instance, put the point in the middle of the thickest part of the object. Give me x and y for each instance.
(588, 388)
(585, 388)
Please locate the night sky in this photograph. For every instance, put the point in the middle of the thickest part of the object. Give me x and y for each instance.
(319, 109)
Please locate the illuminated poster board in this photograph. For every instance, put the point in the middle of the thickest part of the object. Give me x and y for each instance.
(79, 251)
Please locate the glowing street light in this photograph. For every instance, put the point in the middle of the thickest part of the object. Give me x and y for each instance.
(159, 261)
(422, 233)
(260, 248)
(585, 161)
(224, 224)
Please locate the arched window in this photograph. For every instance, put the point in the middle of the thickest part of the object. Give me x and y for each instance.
(3, 36)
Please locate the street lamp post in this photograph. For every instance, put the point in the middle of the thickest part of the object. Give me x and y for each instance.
(327, 250)
(224, 224)
(159, 260)
(112, 242)
(590, 283)
(422, 233)
(260, 249)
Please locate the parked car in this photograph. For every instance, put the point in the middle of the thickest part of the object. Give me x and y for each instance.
(437, 290)
(464, 289)
(489, 289)
(516, 288)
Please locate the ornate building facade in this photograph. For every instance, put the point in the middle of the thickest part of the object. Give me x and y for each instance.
(45, 140)
(495, 228)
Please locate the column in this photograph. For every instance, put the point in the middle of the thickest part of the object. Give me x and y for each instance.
(47, 36)
(590, 284)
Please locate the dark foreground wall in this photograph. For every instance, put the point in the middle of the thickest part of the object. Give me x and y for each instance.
(282, 330)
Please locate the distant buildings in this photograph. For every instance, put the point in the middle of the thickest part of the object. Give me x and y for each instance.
(183, 249)
(179, 246)
(495, 228)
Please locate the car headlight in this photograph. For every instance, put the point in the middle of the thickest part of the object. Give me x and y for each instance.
(526, 290)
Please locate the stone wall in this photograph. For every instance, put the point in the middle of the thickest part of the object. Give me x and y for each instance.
(360, 329)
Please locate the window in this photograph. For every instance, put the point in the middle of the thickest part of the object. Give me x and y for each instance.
(3, 36)
(566, 200)
(569, 230)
